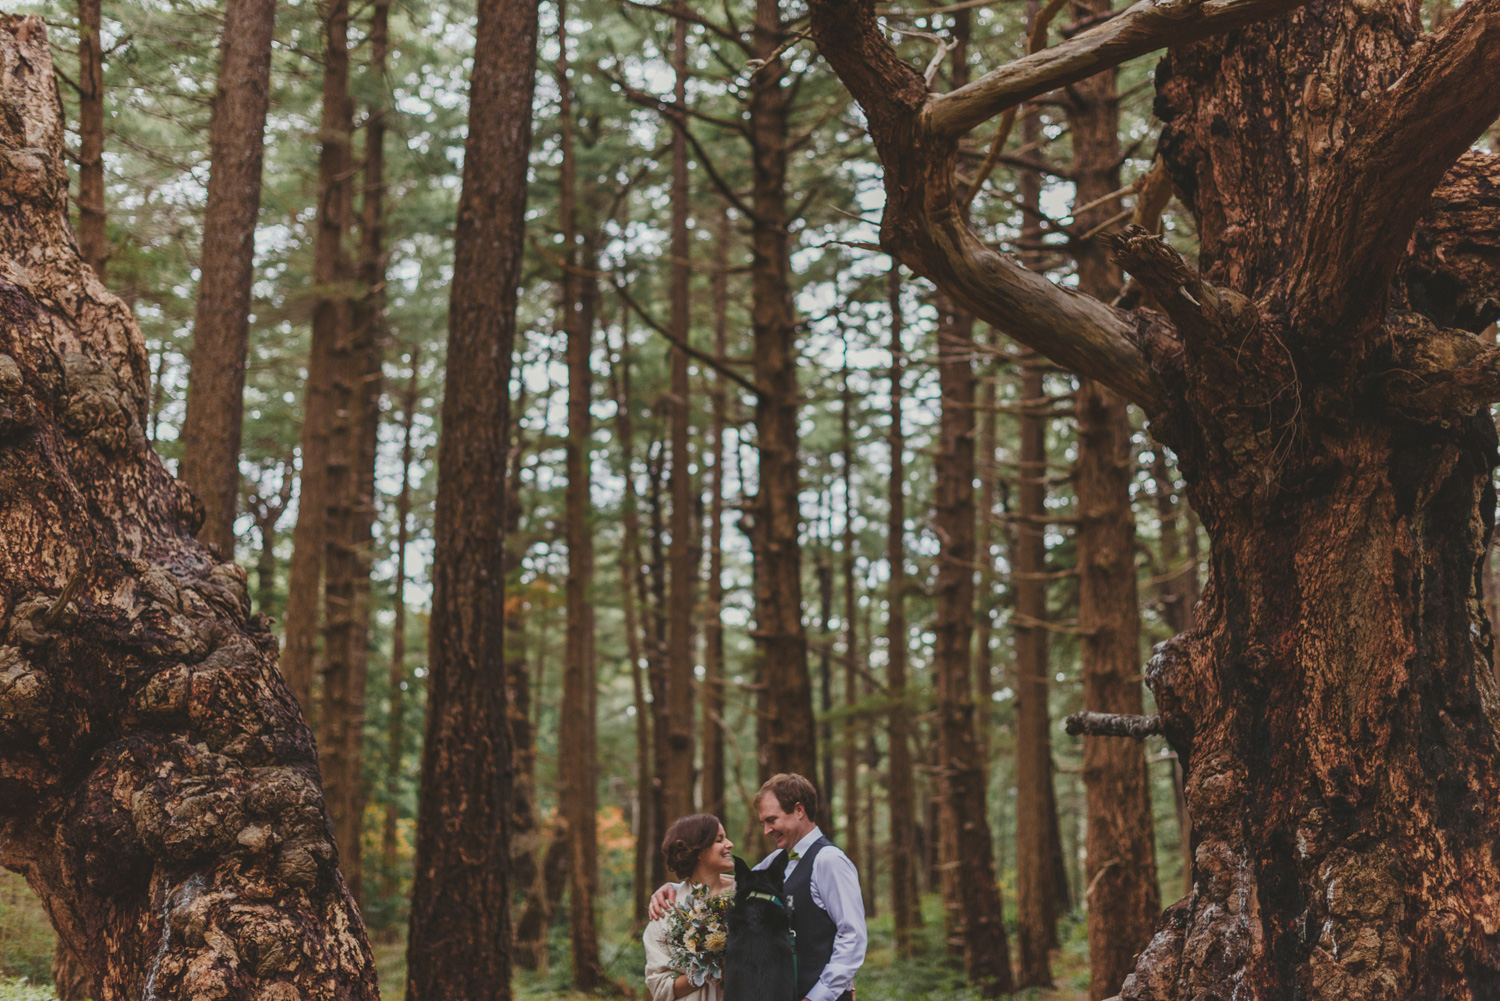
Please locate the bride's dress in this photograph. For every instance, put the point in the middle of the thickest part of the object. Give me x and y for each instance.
(660, 976)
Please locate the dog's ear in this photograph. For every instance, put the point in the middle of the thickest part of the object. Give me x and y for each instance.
(741, 874)
(777, 869)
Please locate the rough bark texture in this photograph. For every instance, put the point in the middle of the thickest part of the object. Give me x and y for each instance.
(1334, 704)
(159, 786)
(460, 940)
(1120, 869)
(902, 798)
(677, 778)
(969, 878)
(93, 243)
(330, 324)
(786, 690)
(221, 322)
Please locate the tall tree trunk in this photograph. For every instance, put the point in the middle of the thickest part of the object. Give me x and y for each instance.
(221, 322)
(395, 729)
(677, 779)
(1120, 871)
(713, 630)
(460, 940)
(785, 688)
(577, 793)
(904, 902)
(351, 494)
(825, 778)
(541, 902)
(93, 243)
(969, 875)
(646, 835)
(158, 774)
(852, 727)
(330, 326)
(653, 591)
(1036, 809)
(989, 483)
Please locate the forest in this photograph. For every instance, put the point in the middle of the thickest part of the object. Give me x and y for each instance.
(444, 442)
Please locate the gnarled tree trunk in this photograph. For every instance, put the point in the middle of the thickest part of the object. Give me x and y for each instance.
(1322, 382)
(157, 782)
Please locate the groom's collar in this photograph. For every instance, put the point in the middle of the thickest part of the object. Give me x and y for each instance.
(807, 841)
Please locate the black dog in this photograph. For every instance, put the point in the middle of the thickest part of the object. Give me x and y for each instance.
(759, 961)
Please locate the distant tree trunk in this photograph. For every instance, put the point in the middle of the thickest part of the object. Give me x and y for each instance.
(713, 629)
(851, 842)
(1120, 872)
(785, 688)
(330, 324)
(969, 883)
(1036, 809)
(1178, 593)
(577, 796)
(825, 778)
(677, 779)
(646, 834)
(460, 942)
(525, 838)
(160, 791)
(902, 797)
(221, 323)
(267, 514)
(351, 495)
(395, 729)
(93, 243)
(653, 590)
(542, 901)
(989, 482)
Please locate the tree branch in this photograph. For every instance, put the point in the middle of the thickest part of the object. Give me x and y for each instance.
(1365, 212)
(1142, 28)
(1113, 725)
(924, 224)
(712, 362)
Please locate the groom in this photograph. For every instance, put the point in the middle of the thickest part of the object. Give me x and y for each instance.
(828, 913)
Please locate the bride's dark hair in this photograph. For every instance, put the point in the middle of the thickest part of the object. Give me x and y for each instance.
(686, 840)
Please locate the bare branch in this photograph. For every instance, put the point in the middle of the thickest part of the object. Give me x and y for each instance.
(683, 12)
(1365, 212)
(712, 362)
(1113, 725)
(1142, 28)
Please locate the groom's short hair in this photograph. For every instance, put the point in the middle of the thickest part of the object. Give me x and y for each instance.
(789, 790)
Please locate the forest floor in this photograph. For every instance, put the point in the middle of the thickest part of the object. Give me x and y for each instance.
(26, 959)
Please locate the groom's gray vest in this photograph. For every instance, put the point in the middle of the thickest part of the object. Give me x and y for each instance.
(815, 929)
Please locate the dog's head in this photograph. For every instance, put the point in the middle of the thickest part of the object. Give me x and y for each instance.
(758, 895)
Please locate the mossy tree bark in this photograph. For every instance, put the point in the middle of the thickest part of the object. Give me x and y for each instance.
(158, 785)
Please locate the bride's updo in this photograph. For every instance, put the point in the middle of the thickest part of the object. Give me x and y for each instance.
(686, 840)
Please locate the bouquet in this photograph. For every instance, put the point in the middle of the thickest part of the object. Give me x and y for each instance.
(697, 933)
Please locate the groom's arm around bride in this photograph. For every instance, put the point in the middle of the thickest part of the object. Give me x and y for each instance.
(822, 885)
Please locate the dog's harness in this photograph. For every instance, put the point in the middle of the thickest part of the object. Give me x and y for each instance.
(771, 897)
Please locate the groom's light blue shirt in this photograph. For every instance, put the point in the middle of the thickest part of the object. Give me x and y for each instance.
(835, 888)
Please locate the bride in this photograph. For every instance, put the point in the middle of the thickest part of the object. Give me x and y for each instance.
(699, 853)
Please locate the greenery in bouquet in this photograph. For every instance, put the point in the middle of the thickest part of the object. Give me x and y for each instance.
(698, 932)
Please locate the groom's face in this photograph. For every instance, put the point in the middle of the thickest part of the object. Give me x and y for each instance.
(786, 829)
